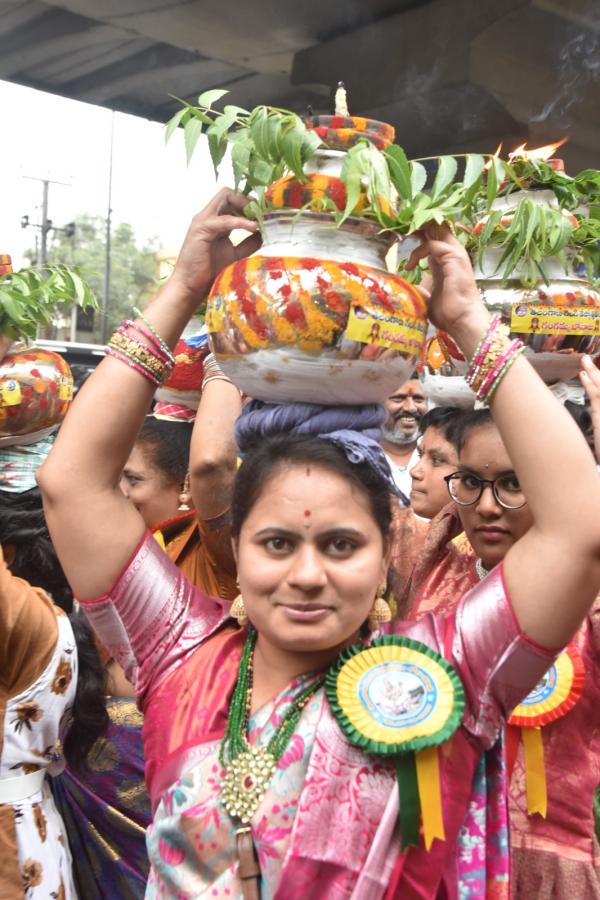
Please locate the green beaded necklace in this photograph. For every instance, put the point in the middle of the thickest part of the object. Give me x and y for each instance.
(248, 769)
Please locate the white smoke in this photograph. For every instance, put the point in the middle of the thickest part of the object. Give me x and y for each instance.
(579, 65)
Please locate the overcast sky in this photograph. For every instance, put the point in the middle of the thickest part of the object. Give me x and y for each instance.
(46, 136)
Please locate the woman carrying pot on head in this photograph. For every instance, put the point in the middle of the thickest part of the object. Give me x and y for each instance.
(554, 849)
(310, 527)
(107, 825)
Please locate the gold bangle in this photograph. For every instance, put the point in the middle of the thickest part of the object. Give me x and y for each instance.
(141, 353)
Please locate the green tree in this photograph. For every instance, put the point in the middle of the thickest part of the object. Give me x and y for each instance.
(133, 269)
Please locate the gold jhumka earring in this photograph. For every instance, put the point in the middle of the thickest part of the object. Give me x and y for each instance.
(185, 495)
(380, 611)
(238, 611)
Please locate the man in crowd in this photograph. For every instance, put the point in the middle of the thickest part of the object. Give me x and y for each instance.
(406, 406)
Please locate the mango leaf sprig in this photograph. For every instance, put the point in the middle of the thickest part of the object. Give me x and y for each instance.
(31, 296)
(268, 143)
(526, 232)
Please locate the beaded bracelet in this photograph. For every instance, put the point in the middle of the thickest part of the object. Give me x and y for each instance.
(141, 353)
(480, 350)
(492, 359)
(131, 342)
(493, 340)
(494, 349)
(138, 356)
(162, 344)
(496, 366)
(116, 354)
(139, 364)
(515, 352)
(156, 344)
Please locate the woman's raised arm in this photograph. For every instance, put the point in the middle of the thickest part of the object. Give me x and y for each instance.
(94, 527)
(214, 452)
(553, 572)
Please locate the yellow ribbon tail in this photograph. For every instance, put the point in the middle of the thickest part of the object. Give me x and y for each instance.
(430, 795)
(535, 771)
(159, 538)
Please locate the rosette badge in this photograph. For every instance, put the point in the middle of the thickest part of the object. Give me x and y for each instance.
(401, 699)
(553, 697)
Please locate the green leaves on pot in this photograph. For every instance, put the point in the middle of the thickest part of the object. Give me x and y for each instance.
(404, 195)
(30, 297)
(527, 231)
(266, 142)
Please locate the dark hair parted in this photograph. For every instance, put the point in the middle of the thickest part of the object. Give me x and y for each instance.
(168, 446)
(89, 715)
(23, 527)
(265, 459)
(445, 419)
(469, 421)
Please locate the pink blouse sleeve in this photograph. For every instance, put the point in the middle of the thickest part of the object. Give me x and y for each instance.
(498, 665)
(153, 616)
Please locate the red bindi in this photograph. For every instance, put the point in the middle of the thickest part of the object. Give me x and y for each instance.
(307, 515)
(308, 470)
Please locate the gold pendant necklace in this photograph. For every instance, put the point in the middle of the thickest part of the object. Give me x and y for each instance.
(246, 781)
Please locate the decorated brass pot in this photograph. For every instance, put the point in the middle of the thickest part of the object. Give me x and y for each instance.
(558, 319)
(36, 387)
(314, 315)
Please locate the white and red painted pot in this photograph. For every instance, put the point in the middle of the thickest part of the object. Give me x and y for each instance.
(36, 389)
(558, 319)
(315, 315)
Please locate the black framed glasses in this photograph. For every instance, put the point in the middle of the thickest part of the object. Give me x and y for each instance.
(466, 489)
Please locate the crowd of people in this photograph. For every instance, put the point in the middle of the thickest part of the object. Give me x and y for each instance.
(179, 580)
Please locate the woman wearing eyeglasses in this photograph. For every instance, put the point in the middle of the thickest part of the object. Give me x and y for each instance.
(557, 855)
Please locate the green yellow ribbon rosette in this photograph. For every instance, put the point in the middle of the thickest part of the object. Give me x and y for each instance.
(398, 697)
(554, 696)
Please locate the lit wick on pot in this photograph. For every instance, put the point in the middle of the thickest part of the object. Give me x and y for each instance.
(341, 100)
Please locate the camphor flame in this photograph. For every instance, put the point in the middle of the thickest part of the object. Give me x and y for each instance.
(495, 155)
(541, 153)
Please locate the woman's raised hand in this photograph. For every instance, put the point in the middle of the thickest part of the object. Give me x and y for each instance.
(207, 247)
(454, 302)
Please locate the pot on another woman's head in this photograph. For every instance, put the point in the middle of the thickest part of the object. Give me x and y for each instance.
(315, 316)
(557, 320)
(36, 388)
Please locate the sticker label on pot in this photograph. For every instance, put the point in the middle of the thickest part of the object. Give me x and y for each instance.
(379, 328)
(532, 318)
(10, 393)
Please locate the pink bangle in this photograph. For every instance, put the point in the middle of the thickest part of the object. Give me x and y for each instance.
(481, 352)
(496, 368)
(109, 351)
(161, 342)
(155, 347)
(514, 350)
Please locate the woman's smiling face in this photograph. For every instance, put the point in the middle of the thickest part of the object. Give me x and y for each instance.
(491, 529)
(310, 557)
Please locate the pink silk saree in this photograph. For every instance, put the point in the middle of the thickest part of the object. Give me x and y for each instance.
(344, 838)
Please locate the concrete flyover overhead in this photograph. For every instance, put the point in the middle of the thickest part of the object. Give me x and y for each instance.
(450, 75)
